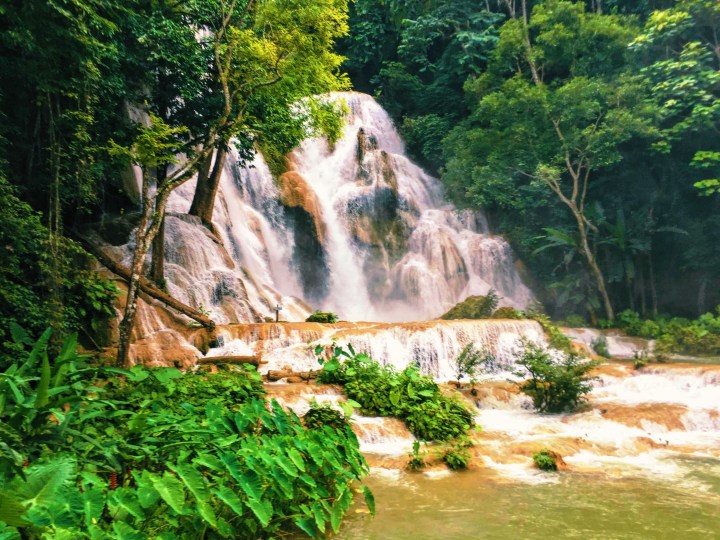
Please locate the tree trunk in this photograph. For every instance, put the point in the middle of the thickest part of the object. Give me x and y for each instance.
(653, 289)
(157, 266)
(641, 277)
(204, 200)
(141, 248)
(146, 287)
(592, 262)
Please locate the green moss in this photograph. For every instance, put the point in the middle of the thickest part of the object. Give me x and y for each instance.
(474, 307)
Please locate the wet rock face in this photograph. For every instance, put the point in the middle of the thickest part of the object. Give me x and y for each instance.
(308, 255)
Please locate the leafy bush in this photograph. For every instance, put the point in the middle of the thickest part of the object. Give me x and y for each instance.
(506, 312)
(324, 414)
(573, 321)
(457, 454)
(470, 361)
(555, 385)
(677, 334)
(474, 307)
(417, 459)
(545, 460)
(599, 345)
(323, 317)
(408, 395)
(91, 452)
(555, 336)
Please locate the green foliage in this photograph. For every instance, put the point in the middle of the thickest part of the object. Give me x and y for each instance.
(158, 453)
(408, 395)
(417, 458)
(556, 338)
(323, 317)
(456, 455)
(474, 307)
(599, 345)
(506, 312)
(677, 334)
(545, 460)
(470, 361)
(555, 384)
(324, 414)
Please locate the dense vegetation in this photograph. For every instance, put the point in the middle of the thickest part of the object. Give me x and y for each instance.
(91, 88)
(95, 452)
(556, 381)
(588, 131)
(382, 391)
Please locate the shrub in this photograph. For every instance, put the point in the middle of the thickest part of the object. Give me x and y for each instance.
(506, 312)
(470, 361)
(474, 307)
(599, 345)
(555, 336)
(457, 454)
(545, 460)
(323, 317)
(417, 459)
(324, 414)
(573, 321)
(555, 385)
(408, 395)
(100, 452)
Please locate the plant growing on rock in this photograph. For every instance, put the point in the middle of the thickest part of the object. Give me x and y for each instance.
(382, 391)
(474, 307)
(546, 460)
(417, 458)
(470, 362)
(457, 453)
(323, 317)
(556, 384)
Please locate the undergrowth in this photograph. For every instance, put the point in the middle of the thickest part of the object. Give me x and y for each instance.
(98, 452)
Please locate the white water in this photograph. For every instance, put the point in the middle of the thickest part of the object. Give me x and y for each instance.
(440, 257)
(389, 247)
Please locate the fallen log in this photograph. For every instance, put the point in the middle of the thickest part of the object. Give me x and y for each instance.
(273, 375)
(147, 287)
(254, 360)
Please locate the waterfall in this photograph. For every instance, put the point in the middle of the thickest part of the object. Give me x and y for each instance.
(357, 229)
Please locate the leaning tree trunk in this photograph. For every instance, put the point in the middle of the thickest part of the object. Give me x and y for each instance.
(592, 262)
(206, 189)
(157, 266)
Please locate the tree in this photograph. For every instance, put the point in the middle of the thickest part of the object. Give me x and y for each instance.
(553, 109)
(686, 80)
(269, 52)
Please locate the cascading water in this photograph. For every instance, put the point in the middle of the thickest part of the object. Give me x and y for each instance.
(357, 229)
(395, 250)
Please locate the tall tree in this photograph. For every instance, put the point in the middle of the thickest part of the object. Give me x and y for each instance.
(553, 109)
(258, 52)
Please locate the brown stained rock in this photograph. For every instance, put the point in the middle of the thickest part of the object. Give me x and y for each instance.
(295, 193)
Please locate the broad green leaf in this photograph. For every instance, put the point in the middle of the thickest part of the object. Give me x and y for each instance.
(197, 486)
(93, 504)
(251, 484)
(228, 496)
(369, 499)
(297, 459)
(171, 491)
(262, 509)
(123, 500)
(307, 525)
(123, 531)
(11, 509)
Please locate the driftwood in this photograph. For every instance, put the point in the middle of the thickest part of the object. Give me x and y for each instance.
(148, 288)
(254, 360)
(304, 375)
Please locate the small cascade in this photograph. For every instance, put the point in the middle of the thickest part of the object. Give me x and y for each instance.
(432, 345)
(618, 345)
(636, 422)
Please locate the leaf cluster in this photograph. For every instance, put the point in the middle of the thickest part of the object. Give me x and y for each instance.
(94, 452)
(555, 384)
(382, 391)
